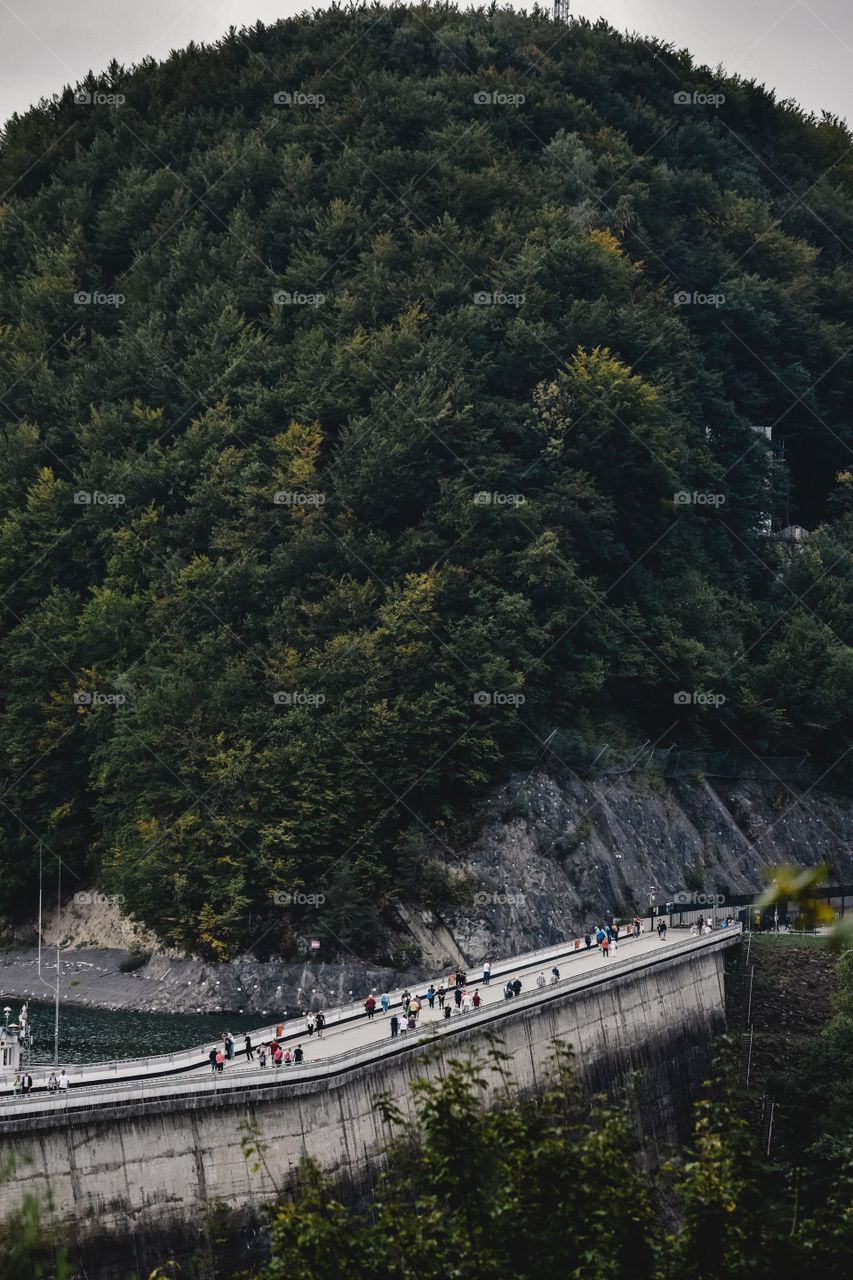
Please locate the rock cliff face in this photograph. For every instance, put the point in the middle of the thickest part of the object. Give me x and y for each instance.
(551, 857)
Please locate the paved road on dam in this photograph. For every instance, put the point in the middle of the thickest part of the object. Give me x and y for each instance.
(349, 1033)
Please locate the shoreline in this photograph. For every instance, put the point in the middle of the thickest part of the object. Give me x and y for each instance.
(92, 978)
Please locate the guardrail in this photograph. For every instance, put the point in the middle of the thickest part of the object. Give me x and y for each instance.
(196, 1058)
(151, 1090)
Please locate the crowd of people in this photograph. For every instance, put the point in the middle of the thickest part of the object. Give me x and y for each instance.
(453, 995)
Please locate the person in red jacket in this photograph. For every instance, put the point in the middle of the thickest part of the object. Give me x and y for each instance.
(370, 1006)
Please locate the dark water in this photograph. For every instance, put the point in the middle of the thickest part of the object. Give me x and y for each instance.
(95, 1035)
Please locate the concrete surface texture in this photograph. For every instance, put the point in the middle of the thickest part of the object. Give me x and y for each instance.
(149, 1167)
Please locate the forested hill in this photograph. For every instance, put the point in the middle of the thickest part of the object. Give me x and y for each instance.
(382, 391)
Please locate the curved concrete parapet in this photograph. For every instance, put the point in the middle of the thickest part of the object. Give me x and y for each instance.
(156, 1154)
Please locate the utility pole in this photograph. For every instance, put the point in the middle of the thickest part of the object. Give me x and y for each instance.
(58, 962)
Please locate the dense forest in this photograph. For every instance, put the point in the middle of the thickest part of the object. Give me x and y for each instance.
(382, 391)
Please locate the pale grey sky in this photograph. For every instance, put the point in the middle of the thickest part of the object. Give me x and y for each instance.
(803, 48)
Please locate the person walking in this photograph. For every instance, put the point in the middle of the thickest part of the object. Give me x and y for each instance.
(457, 996)
(555, 975)
(262, 1055)
(441, 993)
(370, 1006)
(310, 1024)
(277, 1056)
(516, 986)
(229, 1045)
(487, 973)
(395, 1025)
(16, 1086)
(298, 1055)
(662, 930)
(600, 935)
(465, 1007)
(287, 1057)
(26, 1083)
(385, 1001)
(52, 1083)
(605, 947)
(588, 941)
(321, 1022)
(475, 1000)
(220, 1061)
(540, 981)
(509, 989)
(62, 1083)
(250, 1053)
(431, 996)
(212, 1057)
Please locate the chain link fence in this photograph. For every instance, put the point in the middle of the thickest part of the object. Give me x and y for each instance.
(672, 762)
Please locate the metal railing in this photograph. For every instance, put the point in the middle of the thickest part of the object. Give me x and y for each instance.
(154, 1089)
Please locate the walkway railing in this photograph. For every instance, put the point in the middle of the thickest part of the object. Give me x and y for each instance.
(153, 1090)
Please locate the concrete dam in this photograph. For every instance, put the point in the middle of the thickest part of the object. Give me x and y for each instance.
(135, 1172)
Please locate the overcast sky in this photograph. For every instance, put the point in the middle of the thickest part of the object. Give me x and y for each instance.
(803, 49)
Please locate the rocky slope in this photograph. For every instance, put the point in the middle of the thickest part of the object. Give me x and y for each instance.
(551, 857)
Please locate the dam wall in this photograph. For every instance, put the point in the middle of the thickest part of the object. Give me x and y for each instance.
(135, 1179)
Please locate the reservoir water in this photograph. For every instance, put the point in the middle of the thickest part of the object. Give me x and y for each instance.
(95, 1035)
